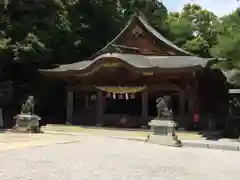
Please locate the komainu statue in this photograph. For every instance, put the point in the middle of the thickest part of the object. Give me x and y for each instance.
(162, 109)
(27, 120)
(28, 106)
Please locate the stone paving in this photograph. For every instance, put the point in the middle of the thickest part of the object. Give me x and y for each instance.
(102, 158)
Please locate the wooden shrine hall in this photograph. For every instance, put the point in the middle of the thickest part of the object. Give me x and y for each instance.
(120, 83)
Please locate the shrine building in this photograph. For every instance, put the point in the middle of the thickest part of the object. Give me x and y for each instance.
(119, 84)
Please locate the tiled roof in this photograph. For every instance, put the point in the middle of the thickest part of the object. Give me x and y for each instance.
(139, 61)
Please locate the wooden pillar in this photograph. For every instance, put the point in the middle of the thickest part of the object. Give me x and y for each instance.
(99, 107)
(182, 100)
(70, 96)
(144, 112)
(191, 102)
(86, 101)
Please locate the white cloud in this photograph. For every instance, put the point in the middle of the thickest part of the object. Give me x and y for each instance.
(218, 7)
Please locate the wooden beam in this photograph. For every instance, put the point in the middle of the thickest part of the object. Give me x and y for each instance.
(124, 47)
(82, 88)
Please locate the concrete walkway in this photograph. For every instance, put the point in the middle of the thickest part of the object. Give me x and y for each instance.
(223, 144)
(114, 131)
(188, 139)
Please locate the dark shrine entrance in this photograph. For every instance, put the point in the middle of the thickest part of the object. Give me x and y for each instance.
(128, 106)
(122, 105)
(84, 108)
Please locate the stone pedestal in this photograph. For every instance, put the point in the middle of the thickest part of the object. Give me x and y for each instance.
(27, 123)
(163, 133)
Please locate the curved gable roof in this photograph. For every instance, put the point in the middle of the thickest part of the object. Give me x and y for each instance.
(141, 18)
(137, 61)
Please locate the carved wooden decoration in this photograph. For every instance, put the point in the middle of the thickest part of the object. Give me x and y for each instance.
(137, 31)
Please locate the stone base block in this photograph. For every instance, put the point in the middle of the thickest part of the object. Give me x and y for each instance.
(163, 133)
(27, 123)
(26, 130)
(164, 140)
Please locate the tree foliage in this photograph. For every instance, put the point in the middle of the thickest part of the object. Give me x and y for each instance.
(155, 10)
(192, 29)
(228, 41)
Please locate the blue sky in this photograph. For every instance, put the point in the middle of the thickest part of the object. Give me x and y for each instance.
(219, 7)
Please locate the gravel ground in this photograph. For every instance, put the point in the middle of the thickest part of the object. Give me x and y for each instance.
(99, 158)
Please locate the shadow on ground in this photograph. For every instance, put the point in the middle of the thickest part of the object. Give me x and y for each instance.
(214, 136)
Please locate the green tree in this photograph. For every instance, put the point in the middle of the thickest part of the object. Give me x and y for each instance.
(57, 31)
(228, 41)
(3, 23)
(32, 26)
(192, 29)
(154, 10)
(97, 21)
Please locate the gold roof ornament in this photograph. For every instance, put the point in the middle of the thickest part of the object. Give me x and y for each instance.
(121, 89)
